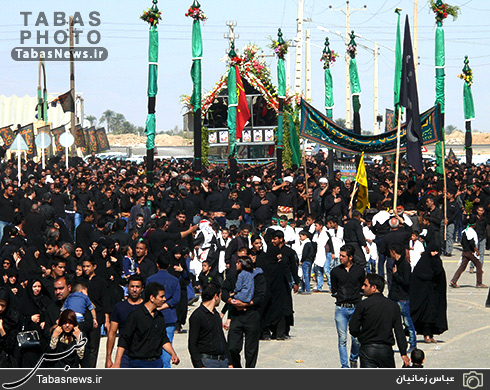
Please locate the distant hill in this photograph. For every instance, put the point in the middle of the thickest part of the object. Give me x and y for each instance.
(457, 138)
(135, 140)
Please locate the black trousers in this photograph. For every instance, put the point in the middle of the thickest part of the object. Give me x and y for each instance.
(246, 324)
(376, 356)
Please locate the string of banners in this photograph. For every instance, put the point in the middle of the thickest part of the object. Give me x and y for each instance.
(316, 127)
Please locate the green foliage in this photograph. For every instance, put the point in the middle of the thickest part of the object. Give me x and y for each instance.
(204, 146)
(468, 206)
(117, 124)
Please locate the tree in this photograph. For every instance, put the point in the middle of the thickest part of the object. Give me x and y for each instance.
(340, 122)
(117, 122)
(107, 116)
(92, 119)
(450, 129)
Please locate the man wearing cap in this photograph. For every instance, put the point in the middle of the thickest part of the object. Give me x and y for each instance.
(286, 199)
(320, 192)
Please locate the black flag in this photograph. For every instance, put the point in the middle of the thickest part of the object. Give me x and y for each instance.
(410, 100)
(66, 101)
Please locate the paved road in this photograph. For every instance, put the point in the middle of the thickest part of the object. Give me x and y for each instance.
(314, 337)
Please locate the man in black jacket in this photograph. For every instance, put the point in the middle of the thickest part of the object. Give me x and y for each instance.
(373, 323)
(245, 321)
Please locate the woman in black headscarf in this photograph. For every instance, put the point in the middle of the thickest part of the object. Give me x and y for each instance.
(33, 265)
(428, 301)
(10, 325)
(178, 268)
(110, 269)
(32, 308)
(278, 308)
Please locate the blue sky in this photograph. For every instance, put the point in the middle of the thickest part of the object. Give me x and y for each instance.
(120, 82)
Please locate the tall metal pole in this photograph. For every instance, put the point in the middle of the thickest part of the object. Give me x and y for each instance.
(347, 11)
(72, 86)
(375, 98)
(299, 49)
(308, 66)
(415, 33)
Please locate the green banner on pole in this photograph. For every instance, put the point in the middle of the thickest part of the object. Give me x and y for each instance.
(329, 104)
(469, 107)
(232, 106)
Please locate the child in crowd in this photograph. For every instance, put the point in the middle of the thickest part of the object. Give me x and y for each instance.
(418, 358)
(416, 248)
(244, 288)
(207, 276)
(79, 302)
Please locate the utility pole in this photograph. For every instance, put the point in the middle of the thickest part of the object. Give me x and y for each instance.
(415, 33)
(230, 35)
(72, 85)
(299, 49)
(308, 66)
(347, 11)
(375, 100)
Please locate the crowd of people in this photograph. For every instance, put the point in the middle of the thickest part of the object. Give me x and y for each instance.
(97, 250)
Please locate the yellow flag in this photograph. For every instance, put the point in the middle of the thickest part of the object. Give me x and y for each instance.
(361, 179)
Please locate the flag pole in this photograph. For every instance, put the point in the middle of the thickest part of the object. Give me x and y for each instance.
(397, 164)
(18, 159)
(306, 174)
(356, 184)
(281, 86)
(152, 16)
(196, 75)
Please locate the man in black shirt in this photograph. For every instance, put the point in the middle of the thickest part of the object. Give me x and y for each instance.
(245, 321)
(146, 267)
(119, 316)
(354, 236)
(334, 203)
(207, 344)
(373, 323)
(347, 280)
(98, 292)
(144, 334)
(6, 208)
(83, 232)
(453, 211)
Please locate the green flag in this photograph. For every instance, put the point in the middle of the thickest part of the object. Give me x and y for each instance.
(293, 138)
(469, 107)
(328, 57)
(467, 76)
(232, 107)
(329, 93)
(355, 84)
(398, 70)
(440, 64)
(152, 86)
(196, 65)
